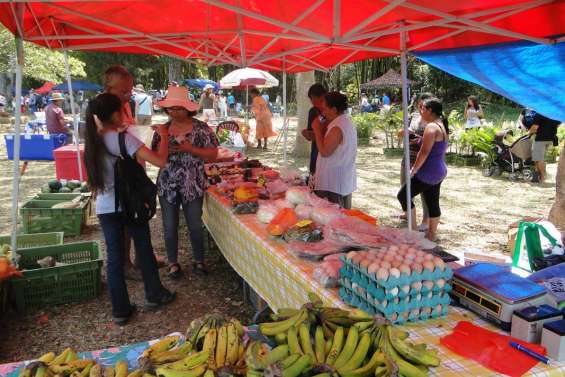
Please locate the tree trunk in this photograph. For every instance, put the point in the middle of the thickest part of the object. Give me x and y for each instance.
(175, 70)
(557, 213)
(303, 82)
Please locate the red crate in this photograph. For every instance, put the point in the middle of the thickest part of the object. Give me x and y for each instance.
(66, 162)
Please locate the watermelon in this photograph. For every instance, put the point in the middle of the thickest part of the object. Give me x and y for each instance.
(45, 189)
(65, 190)
(73, 184)
(84, 187)
(54, 185)
(78, 189)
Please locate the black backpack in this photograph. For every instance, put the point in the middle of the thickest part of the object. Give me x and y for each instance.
(136, 193)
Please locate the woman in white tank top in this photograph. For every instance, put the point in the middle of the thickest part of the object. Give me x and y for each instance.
(336, 174)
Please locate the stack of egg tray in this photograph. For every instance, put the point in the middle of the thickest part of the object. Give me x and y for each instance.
(396, 299)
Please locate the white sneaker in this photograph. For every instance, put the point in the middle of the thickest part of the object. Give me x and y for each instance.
(423, 228)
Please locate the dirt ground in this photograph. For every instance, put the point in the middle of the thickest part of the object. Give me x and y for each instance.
(476, 213)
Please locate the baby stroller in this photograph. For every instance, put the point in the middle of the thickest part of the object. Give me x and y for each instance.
(515, 159)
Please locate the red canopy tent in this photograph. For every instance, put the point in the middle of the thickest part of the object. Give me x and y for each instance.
(45, 88)
(291, 36)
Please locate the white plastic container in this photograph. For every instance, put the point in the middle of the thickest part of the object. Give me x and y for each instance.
(553, 339)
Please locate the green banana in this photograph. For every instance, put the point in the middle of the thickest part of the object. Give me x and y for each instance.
(320, 344)
(315, 300)
(410, 353)
(209, 373)
(287, 312)
(408, 370)
(306, 344)
(280, 338)
(289, 361)
(195, 372)
(189, 362)
(296, 369)
(292, 339)
(361, 326)
(277, 354)
(336, 346)
(358, 356)
(328, 333)
(368, 369)
(359, 315)
(273, 328)
(328, 345)
(348, 349)
(325, 374)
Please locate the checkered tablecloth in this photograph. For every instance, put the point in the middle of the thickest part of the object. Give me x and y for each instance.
(283, 280)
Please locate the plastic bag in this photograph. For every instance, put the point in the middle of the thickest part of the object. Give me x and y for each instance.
(317, 202)
(282, 204)
(282, 221)
(315, 250)
(297, 195)
(276, 187)
(490, 349)
(325, 215)
(533, 240)
(327, 273)
(267, 212)
(360, 215)
(305, 231)
(246, 208)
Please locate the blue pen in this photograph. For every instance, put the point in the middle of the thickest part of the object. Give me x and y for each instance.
(529, 352)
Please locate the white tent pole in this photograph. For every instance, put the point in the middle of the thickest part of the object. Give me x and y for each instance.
(17, 124)
(404, 73)
(246, 104)
(73, 112)
(285, 126)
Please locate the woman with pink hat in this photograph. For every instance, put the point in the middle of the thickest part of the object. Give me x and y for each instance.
(183, 180)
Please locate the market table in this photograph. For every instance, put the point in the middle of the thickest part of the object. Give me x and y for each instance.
(283, 280)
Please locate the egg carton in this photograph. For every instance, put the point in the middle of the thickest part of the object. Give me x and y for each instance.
(395, 315)
(366, 278)
(400, 302)
(413, 289)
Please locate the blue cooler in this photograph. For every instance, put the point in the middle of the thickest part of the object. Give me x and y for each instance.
(35, 147)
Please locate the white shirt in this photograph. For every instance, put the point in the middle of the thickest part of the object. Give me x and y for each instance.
(144, 104)
(337, 173)
(473, 119)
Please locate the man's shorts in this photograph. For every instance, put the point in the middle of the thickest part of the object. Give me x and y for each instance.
(539, 148)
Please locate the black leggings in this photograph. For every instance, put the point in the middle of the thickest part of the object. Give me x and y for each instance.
(429, 192)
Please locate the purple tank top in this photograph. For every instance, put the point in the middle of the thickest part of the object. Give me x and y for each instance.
(434, 169)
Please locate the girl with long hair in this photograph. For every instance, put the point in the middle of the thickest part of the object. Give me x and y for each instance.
(429, 169)
(473, 113)
(103, 124)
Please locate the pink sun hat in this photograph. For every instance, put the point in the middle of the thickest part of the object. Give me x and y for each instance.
(178, 96)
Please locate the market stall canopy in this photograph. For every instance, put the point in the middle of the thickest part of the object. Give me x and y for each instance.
(246, 77)
(45, 88)
(270, 34)
(201, 83)
(391, 79)
(79, 85)
(527, 73)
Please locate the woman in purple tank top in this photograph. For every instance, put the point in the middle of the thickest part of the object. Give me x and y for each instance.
(430, 169)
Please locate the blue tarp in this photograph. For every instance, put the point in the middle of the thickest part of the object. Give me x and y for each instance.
(79, 85)
(201, 83)
(529, 74)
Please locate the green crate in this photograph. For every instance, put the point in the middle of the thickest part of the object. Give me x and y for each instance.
(78, 280)
(66, 196)
(25, 241)
(39, 217)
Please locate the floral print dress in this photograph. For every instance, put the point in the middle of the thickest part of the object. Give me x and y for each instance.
(184, 174)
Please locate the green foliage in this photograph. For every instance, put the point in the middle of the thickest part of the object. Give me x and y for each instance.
(390, 122)
(223, 136)
(41, 64)
(365, 124)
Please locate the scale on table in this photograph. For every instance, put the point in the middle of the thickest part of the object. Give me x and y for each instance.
(495, 293)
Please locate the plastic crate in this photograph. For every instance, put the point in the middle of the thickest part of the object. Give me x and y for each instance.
(35, 147)
(39, 217)
(66, 164)
(78, 280)
(61, 196)
(25, 241)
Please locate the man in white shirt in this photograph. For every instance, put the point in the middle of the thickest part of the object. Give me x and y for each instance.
(143, 106)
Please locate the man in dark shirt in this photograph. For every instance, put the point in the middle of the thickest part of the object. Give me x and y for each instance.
(545, 131)
(316, 94)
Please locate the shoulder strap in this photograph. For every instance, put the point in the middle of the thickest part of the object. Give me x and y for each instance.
(122, 142)
(141, 103)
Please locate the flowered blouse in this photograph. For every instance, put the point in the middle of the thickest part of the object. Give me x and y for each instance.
(184, 174)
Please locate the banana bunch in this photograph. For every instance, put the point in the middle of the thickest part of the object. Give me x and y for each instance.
(276, 362)
(166, 350)
(193, 365)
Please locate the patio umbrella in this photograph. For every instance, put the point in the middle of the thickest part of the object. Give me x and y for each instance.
(79, 85)
(201, 83)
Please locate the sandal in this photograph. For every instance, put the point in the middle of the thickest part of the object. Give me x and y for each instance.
(200, 268)
(174, 271)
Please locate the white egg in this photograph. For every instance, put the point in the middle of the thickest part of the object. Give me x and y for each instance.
(405, 269)
(439, 263)
(429, 265)
(394, 272)
(373, 268)
(417, 286)
(385, 264)
(429, 257)
(382, 273)
(428, 284)
(417, 267)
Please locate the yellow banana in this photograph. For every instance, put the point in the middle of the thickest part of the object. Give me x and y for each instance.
(95, 371)
(287, 312)
(417, 356)
(109, 372)
(195, 372)
(336, 346)
(275, 355)
(328, 333)
(292, 339)
(70, 367)
(319, 345)
(188, 362)
(233, 345)
(348, 348)
(358, 356)
(86, 371)
(209, 373)
(280, 338)
(288, 361)
(210, 346)
(72, 355)
(221, 346)
(162, 345)
(61, 358)
(238, 326)
(148, 375)
(166, 356)
(305, 343)
(241, 353)
(328, 346)
(408, 370)
(121, 368)
(359, 315)
(363, 325)
(41, 371)
(47, 358)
